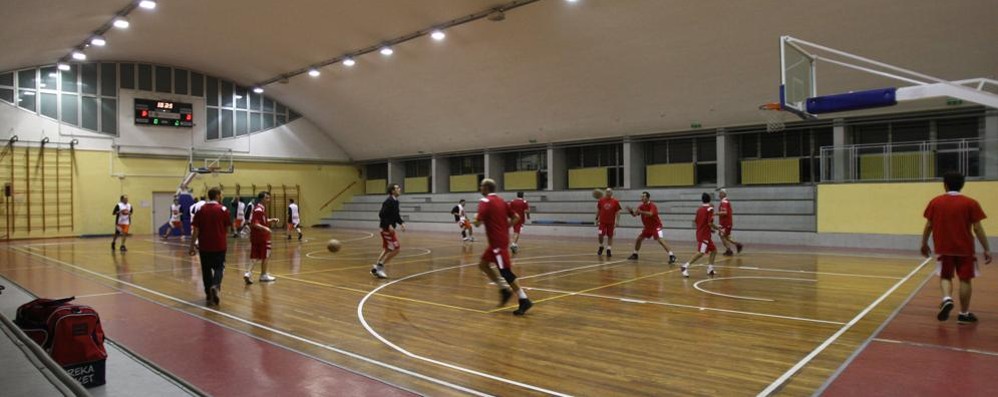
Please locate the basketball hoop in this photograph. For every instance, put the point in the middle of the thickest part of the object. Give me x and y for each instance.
(213, 169)
(774, 115)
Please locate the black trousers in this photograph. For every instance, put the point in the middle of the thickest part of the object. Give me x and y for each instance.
(212, 269)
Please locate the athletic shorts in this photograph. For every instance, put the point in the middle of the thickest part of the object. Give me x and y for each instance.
(238, 224)
(260, 250)
(389, 241)
(965, 267)
(464, 224)
(605, 230)
(123, 229)
(651, 233)
(706, 245)
(518, 227)
(292, 226)
(726, 230)
(499, 256)
(176, 224)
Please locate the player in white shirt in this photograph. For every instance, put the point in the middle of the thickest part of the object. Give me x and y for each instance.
(237, 226)
(462, 221)
(294, 219)
(122, 220)
(196, 206)
(174, 222)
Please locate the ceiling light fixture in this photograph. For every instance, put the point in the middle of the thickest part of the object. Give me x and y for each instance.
(120, 22)
(349, 62)
(63, 66)
(98, 40)
(438, 35)
(148, 4)
(258, 90)
(79, 55)
(314, 72)
(386, 51)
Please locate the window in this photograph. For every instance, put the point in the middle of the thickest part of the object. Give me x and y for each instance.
(145, 77)
(49, 105)
(70, 109)
(108, 79)
(88, 78)
(870, 133)
(197, 84)
(376, 171)
(607, 155)
(180, 81)
(958, 128)
(164, 79)
(108, 113)
(417, 168)
(127, 75)
(465, 165)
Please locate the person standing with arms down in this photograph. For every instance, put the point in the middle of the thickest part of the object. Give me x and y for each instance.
(705, 227)
(521, 208)
(294, 219)
(949, 220)
(497, 215)
(122, 221)
(260, 234)
(648, 212)
(724, 218)
(209, 229)
(240, 215)
(390, 219)
(607, 211)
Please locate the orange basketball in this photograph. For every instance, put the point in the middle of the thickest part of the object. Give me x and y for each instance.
(597, 194)
(333, 245)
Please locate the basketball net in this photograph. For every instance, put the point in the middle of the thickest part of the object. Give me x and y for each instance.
(774, 115)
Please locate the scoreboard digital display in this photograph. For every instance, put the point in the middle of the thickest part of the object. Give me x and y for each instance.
(163, 113)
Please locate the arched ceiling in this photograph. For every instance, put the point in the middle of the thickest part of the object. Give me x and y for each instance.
(552, 71)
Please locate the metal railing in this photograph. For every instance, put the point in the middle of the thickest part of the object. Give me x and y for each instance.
(909, 161)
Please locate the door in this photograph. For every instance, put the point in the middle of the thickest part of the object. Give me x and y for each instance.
(161, 202)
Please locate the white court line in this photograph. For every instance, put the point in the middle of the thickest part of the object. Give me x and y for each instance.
(102, 294)
(697, 286)
(266, 328)
(701, 308)
(941, 347)
(360, 255)
(363, 321)
(809, 272)
(571, 269)
(779, 382)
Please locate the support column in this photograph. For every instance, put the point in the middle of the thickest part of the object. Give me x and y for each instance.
(440, 170)
(557, 169)
(634, 164)
(495, 168)
(727, 159)
(840, 156)
(989, 155)
(396, 173)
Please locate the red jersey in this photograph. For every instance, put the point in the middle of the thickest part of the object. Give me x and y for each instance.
(259, 217)
(725, 219)
(705, 217)
(519, 207)
(651, 222)
(607, 208)
(213, 224)
(495, 213)
(952, 216)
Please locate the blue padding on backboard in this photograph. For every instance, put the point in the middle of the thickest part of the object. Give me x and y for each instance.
(878, 98)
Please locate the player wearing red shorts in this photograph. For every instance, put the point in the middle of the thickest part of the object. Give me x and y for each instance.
(950, 219)
(390, 219)
(705, 227)
(260, 234)
(724, 218)
(607, 212)
(652, 226)
(522, 210)
(497, 216)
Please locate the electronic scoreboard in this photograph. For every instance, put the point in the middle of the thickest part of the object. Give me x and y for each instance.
(163, 113)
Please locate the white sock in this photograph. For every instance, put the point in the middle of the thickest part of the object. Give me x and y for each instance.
(608, 248)
(521, 294)
(710, 268)
(670, 253)
(947, 298)
(964, 313)
(686, 265)
(635, 252)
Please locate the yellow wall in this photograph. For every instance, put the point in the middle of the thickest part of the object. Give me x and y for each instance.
(771, 171)
(520, 180)
(464, 183)
(904, 165)
(418, 184)
(579, 178)
(892, 208)
(678, 174)
(375, 186)
(96, 191)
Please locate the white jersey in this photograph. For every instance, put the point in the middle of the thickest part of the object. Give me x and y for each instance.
(293, 215)
(461, 217)
(195, 207)
(124, 214)
(241, 210)
(174, 212)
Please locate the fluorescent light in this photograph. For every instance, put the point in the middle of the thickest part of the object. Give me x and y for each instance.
(258, 90)
(386, 51)
(313, 72)
(98, 41)
(63, 66)
(28, 93)
(120, 23)
(79, 56)
(239, 97)
(438, 35)
(349, 62)
(43, 85)
(148, 4)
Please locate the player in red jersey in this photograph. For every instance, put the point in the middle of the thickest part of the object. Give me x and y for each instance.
(652, 226)
(724, 218)
(260, 234)
(607, 212)
(522, 210)
(950, 219)
(497, 216)
(705, 227)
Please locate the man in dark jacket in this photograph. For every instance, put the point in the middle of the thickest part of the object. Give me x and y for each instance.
(390, 219)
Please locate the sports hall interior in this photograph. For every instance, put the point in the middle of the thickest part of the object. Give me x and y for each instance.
(329, 102)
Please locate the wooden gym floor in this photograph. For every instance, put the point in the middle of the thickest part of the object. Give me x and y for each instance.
(773, 319)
